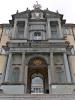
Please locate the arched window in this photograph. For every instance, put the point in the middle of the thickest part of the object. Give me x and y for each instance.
(37, 85)
(15, 75)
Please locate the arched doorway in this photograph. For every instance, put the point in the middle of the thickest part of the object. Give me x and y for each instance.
(37, 85)
(37, 76)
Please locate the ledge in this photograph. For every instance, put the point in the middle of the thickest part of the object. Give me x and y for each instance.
(38, 96)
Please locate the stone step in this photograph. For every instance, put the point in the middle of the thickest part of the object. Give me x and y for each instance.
(37, 97)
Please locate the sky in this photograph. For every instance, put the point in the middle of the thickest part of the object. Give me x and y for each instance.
(9, 7)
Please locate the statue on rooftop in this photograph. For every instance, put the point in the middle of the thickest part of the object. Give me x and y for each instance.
(37, 6)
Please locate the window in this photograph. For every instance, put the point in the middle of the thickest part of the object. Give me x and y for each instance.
(54, 31)
(15, 75)
(37, 36)
(54, 27)
(20, 27)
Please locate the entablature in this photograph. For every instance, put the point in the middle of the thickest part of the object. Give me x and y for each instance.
(37, 50)
(38, 43)
(39, 46)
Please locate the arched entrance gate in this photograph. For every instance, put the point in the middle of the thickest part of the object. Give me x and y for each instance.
(37, 76)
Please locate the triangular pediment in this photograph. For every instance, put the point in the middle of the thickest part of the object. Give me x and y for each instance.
(21, 14)
(27, 13)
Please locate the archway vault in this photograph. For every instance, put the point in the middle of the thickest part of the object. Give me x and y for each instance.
(38, 66)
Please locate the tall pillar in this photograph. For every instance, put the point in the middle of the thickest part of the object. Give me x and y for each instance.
(68, 75)
(22, 68)
(7, 76)
(60, 30)
(52, 68)
(25, 78)
(49, 78)
(15, 29)
(26, 29)
(48, 29)
(4, 69)
(25, 71)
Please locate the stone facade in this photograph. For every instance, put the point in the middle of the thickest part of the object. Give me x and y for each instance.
(37, 56)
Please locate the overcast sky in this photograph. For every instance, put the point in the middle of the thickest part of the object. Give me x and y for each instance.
(9, 7)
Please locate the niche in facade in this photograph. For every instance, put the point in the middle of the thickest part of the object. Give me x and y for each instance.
(60, 74)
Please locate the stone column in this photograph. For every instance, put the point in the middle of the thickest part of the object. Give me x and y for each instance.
(49, 78)
(60, 30)
(4, 69)
(68, 75)
(26, 29)
(22, 68)
(52, 68)
(48, 29)
(25, 71)
(25, 78)
(8, 68)
(15, 29)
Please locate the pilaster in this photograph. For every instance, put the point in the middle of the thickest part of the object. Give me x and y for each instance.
(52, 68)
(26, 29)
(49, 78)
(25, 70)
(8, 68)
(22, 68)
(25, 78)
(60, 30)
(4, 69)
(15, 29)
(48, 29)
(68, 75)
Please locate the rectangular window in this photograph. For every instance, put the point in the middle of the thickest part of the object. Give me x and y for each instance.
(20, 27)
(54, 31)
(54, 26)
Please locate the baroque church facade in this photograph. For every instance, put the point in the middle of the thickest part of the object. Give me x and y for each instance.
(37, 64)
